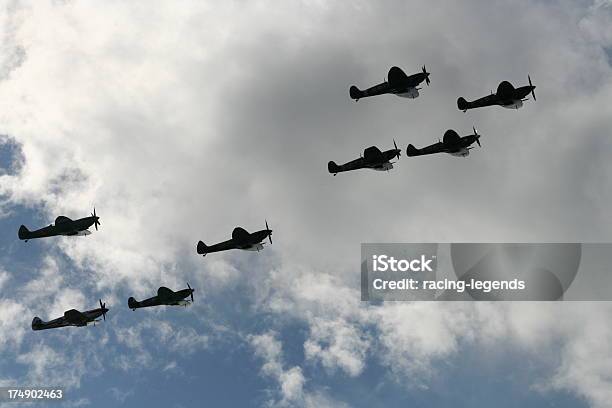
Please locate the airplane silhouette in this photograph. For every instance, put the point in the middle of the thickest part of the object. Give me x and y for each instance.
(241, 239)
(372, 159)
(164, 296)
(506, 96)
(398, 84)
(451, 144)
(63, 226)
(72, 317)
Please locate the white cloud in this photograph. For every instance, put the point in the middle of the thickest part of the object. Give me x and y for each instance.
(291, 382)
(11, 328)
(337, 344)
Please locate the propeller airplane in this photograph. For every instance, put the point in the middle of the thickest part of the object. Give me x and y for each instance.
(72, 317)
(451, 144)
(166, 297)
(372, 158)
(241, 239)
(63, 226)
(398, 83)
(506, 96)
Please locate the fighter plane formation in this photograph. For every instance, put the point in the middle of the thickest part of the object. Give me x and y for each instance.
(397, 83)
(406, 86)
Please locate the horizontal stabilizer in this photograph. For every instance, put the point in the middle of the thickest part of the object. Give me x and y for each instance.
(355, 93)
(23, 233)
(202, 248)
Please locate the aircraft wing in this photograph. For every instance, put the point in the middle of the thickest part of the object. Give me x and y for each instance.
(352, 165)
(434, 148)
(76, 318)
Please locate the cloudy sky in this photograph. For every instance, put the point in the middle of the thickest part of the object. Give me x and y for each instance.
(180, 120)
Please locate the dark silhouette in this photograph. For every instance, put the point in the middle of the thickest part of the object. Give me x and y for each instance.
(72, 317)
(241, 239)
(63, 226)
(372, 158)
(506, 96)
(166, 297)
(398, 83)
(451, 144)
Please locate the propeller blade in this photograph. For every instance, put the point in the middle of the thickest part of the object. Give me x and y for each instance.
(95, 217)
(269, 232)
(426, 75)
(477, 136)
(191, 291)
(103, 307)
(532, 88)
(397, 151)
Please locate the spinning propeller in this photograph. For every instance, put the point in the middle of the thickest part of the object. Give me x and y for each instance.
(426, 75)
(532, 88)
(96, 218)
(104, 309)
(397, 151)
(190, 290)
(269, 232)
(477, 136)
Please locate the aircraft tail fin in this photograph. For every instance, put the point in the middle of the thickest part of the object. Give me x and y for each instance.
(332, 167)
(24, 232)
(462, 104)
(202, 248)
(36, 322)
(355, 93)
(412, 151)
(133, 303)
